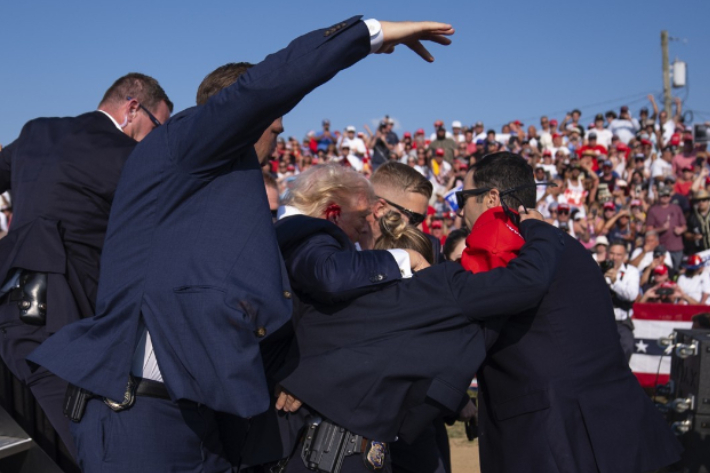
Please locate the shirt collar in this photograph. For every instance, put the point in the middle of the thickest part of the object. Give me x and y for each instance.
(112, 120)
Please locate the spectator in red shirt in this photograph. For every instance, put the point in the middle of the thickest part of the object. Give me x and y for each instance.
(684, 183)
(593, 145)
(686, 158)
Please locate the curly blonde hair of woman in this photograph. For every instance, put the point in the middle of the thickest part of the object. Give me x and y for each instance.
(397, 233)
(319, 186)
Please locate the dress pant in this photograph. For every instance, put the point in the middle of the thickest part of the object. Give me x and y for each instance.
(18, 341)
(152, 435)
(429, 453)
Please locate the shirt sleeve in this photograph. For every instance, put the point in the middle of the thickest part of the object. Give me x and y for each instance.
(403, 261)
(376, 35)
(627, 287)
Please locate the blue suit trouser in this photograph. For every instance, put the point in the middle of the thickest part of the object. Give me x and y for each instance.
(17, 341)
(152, 435)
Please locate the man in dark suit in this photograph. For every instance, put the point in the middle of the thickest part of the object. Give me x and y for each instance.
(63, 173)
(191, 274)
(556, 393)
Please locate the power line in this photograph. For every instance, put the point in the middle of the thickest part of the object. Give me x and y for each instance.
(625, 98)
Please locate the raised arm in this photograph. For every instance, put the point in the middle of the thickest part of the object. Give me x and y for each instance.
(208, 139)
(520, 286)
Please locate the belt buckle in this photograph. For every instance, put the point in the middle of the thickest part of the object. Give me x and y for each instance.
(129, 397)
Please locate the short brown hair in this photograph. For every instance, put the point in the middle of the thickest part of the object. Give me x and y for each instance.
(222, 77)
(402, 178)
(139, 86)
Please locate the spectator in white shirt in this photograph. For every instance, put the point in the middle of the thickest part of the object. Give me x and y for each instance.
(623, 281)
(693, 282)
(652, 253)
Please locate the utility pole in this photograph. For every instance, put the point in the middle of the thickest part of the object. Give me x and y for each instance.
(666, 74)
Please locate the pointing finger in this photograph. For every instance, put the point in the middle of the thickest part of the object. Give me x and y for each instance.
(418, 48)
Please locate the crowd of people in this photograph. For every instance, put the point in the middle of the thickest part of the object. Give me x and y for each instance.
(639, 182)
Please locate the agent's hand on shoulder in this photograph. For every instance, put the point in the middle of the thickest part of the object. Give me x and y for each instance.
(411, 34)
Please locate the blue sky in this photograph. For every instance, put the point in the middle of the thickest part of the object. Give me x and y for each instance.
(509, 59)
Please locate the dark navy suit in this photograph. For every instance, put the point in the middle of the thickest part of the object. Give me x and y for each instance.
(191, 251)
(376, 363)
(63, 173)
(556, 393)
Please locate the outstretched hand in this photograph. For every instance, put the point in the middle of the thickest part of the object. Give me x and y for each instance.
(411, 34)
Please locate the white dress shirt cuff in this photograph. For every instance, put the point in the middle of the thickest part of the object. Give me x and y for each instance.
(376, 35)
(402, 259)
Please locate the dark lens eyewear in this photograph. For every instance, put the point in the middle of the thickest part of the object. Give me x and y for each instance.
(462, 196)
(152, 118)
(414, 218)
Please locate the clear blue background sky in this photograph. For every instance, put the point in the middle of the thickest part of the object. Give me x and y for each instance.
(509, 60)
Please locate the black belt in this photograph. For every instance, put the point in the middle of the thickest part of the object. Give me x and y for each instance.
(150, 388)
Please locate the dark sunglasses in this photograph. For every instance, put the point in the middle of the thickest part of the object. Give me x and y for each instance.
(563, 212)
(152, 118)
(414, 218)
(462, 196)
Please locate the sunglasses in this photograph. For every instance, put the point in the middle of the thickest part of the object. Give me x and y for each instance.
(563, 212)
(152, 118)
(415, 218)
(462, 196)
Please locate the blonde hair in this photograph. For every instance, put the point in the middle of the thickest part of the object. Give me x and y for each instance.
(319, 186)
(397, 233)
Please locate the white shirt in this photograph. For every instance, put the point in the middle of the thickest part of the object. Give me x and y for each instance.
(696, 286)
(356, 145)
(627, 287)
(661, 168)
(624, 129)
(603, 137)
(648, 259)
(144, 363)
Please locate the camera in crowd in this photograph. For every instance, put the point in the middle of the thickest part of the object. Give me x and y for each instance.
(606, 265)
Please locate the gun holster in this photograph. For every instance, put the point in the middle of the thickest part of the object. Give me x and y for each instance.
(325, 446)
(32, 297)
(75, 401)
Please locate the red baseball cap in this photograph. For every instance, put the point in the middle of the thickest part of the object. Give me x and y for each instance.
(660, 270)
(675, 139)
(553, 122)
(435, 224)
(439, 152)
(547, 152)
(407, 134)
(609, 205)
(419, 131)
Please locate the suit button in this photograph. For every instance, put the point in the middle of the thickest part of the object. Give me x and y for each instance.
(260, 332)
(287, 294)
(377, 278)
